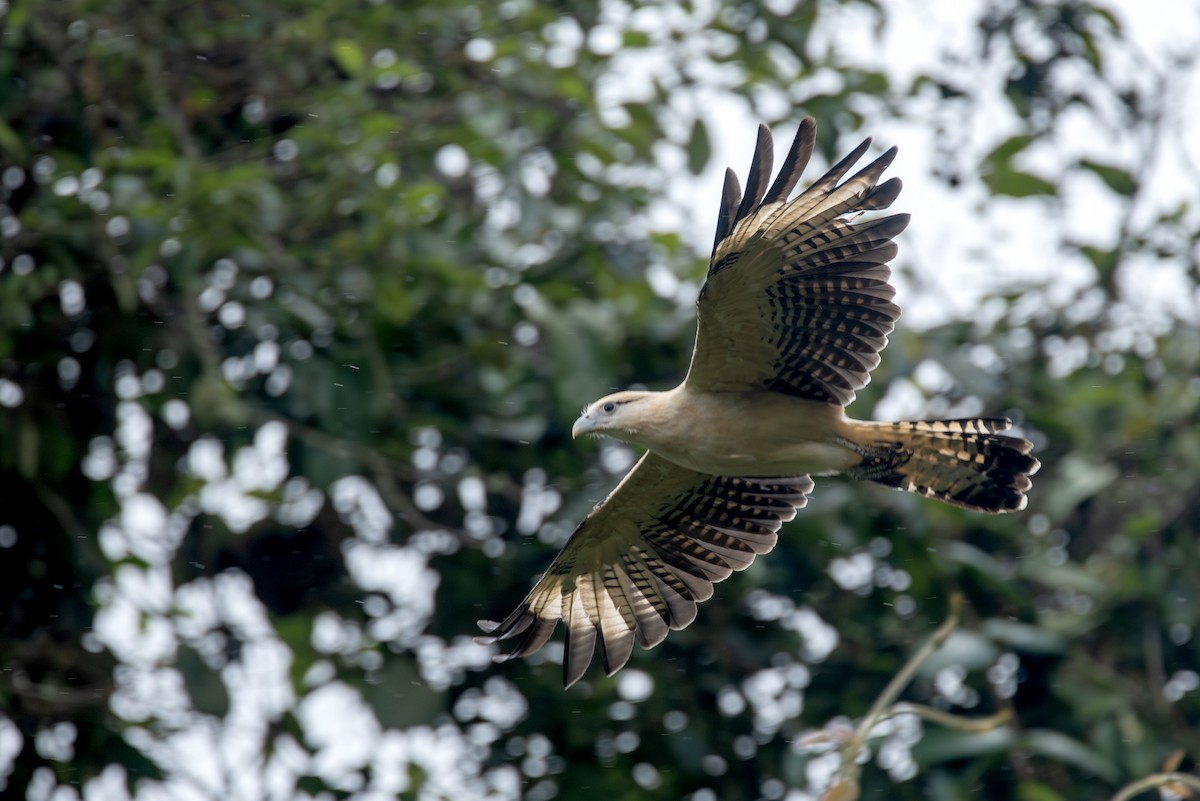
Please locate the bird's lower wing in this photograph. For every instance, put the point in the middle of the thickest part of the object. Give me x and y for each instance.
(640, 562)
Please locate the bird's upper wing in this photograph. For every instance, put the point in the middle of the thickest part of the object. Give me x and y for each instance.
(639, 563)
(797, 298)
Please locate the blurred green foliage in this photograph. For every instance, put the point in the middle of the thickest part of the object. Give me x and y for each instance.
(406, 242)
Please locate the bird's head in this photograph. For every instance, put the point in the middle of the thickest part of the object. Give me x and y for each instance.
(618, 415)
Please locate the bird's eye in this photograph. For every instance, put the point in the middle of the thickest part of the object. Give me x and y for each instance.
(609, 407)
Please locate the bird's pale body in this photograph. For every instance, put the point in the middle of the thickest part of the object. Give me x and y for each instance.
(770, 434)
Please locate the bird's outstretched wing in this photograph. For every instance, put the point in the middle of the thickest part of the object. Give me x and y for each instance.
(797, 298)
(640, 562)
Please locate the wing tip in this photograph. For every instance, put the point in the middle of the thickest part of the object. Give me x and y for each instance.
(797, 159)
(731, 195)
(761, 165)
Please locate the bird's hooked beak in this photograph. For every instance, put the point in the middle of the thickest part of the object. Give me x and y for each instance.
(583, 425)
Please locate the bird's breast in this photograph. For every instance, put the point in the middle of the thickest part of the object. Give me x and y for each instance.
(750, 434)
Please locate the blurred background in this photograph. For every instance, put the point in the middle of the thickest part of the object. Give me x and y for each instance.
(298, 301)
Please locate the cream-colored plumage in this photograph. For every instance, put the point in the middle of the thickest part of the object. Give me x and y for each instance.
(792, 316)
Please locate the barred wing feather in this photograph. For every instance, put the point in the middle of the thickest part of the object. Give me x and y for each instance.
(636, 567)
(797, 298)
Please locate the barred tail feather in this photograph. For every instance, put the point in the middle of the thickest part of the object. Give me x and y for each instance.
(967, 463)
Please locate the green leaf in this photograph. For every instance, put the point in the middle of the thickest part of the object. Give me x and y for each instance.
(1061, 748)
(699, 148)
(1077, 479)
(1036, 791)
(204, 684)
(1069, 576)
(1003, 153)
(1003, 179)
(636, 39)
(1103, 260)
(967, 649)
(1024, 637)
(968, 555)
(11, 143)
(348, 56)
(1015, 183)
(1117, 179)
(942, 745)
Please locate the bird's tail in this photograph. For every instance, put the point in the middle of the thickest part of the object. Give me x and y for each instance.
(966, 463)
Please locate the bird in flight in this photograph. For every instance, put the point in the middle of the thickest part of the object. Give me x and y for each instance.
(793, 313)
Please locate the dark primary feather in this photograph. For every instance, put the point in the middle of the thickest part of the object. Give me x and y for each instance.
(797, 159)
(727, 215)
(760, 172)
(797, 298)
(641, 561)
